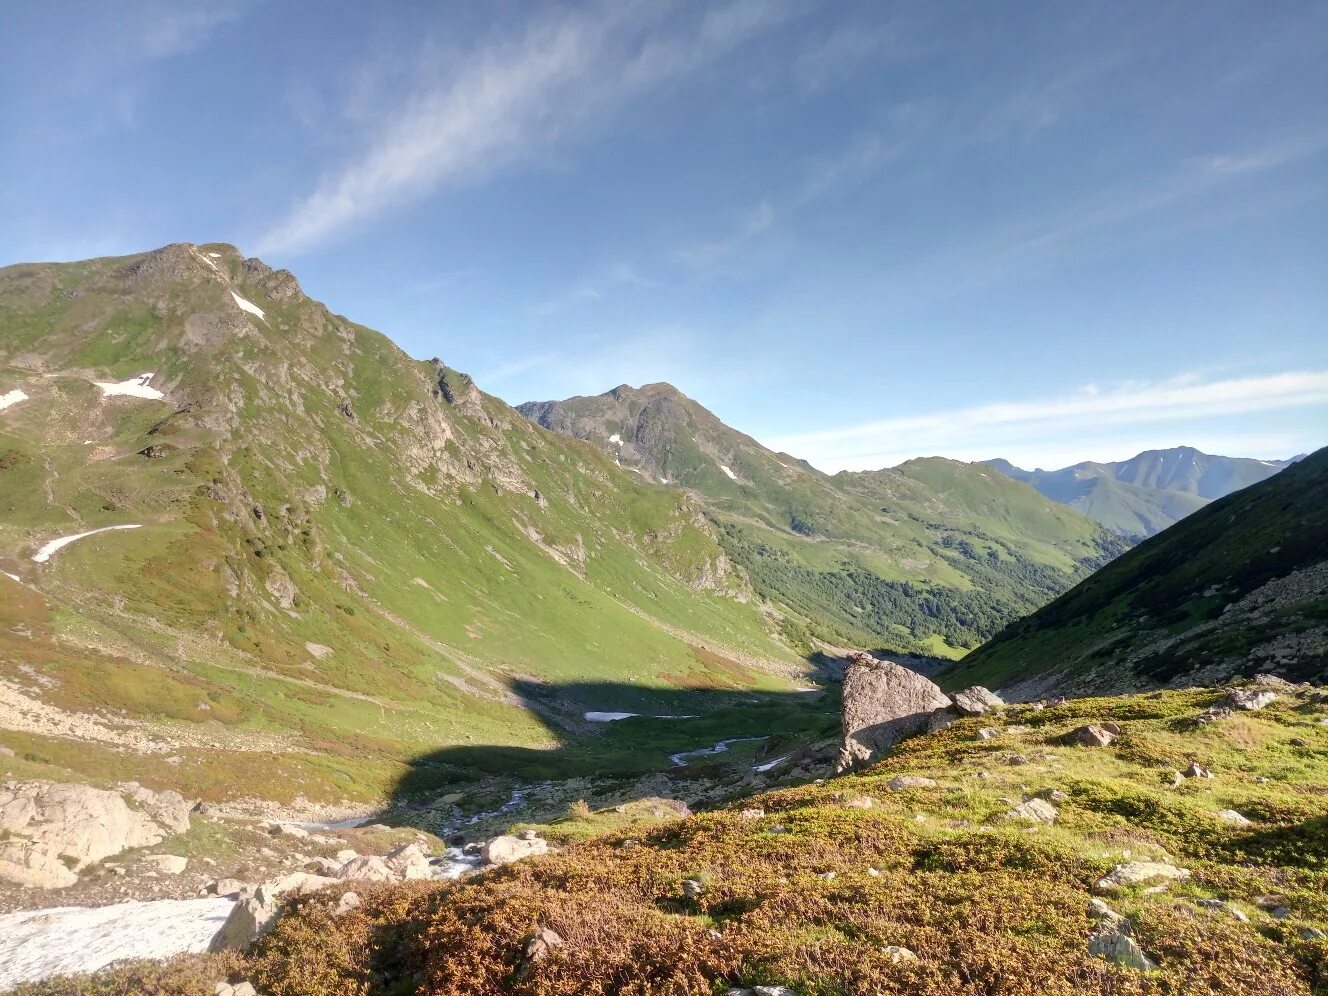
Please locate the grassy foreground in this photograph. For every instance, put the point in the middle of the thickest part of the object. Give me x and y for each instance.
(819, 889)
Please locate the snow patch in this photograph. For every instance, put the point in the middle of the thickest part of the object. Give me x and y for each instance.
(663, 480)
(608, 717)
(248, 306)
(37, 943)
(215, 255)
(12, 577)
(45, 553)
(11, 398)
(770, 764)
(134, 387)
(616, 439)
(731, 475)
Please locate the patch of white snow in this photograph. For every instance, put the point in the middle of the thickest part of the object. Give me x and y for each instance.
(134, 387)
(12, 577)
(45, 553)
(770, 764)
(37, 943)
(248, 306)
(731, 475)
(608, 717)
(11, 398)
(215, 255)
(616, 439)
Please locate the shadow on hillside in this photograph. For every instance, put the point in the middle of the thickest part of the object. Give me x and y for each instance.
(668, 722)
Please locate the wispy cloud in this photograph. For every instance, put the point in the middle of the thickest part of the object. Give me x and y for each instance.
(840, 51)
(1022, 427)
(509, 102)
(180, 26)
(596, 287)
(758, 219)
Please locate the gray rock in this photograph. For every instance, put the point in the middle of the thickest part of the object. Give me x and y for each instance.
(883, 704)
(249, 920)
(901, 783)
(1234, 819)
(752, 814)
(166, 864)
(977, 700)
(1312, 934)
(1091, 736)
(1195, 770)
(1217, 904)
(226, 887)
(1248, 699)
(773, 991)
(244, 989)
(506, 849)
(899, 955)
(349, 901)
(988, 733)
(1034, 811)
(692, 888)
(1119, 948)
(1132, 873)
(369, 867)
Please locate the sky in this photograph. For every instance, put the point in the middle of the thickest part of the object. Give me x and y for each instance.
(860, 232)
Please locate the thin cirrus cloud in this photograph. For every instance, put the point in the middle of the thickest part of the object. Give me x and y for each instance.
(510, 101)
(1025, 427)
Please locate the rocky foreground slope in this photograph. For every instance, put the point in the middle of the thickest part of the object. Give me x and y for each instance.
(1168, 842)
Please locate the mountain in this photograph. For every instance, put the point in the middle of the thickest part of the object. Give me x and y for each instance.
(930, 557)
(1149, 492)
(317, 550)
(1239, 587)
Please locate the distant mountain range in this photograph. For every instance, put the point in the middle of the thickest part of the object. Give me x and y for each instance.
(1239, 587)
(1141, 496)
(929, 557)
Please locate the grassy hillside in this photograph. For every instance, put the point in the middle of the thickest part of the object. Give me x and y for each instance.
(930, 557)
(1238, 587)
(861, 886)
(345, 558)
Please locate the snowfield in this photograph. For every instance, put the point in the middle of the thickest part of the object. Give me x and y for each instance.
(616, 439)
(11, 398)
(248, 306)
(731, 475)
(38, 943)
(44, 554)
(134, 387)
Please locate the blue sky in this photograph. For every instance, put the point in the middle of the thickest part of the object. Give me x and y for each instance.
(860, 232)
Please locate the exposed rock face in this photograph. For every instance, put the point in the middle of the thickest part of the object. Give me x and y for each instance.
(977, 700)
(1248, 699)
(883, 705)
(1035, 811)
(51, 829)
(249, 920)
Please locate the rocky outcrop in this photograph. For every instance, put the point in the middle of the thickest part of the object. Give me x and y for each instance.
(883, 704)
(977, 700)
(51, 830)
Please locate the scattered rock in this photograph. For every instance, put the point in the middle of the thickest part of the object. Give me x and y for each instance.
(541, 943)
(1091, 736)
(166, 864)
(244, 989)
(1119, 948)
(347, 902)
(249, 920)
(1312, 934)
(506, 849)
(1034, 811)
(288, 830)
(883, 704)
(1054, 795)
(898, 954)
(752, 814)
(225, 887)
(988, 733)
(1133, 873)
(369, 867)
(860, 802)
(409, 862)
(1233, 818)
(692, 888)
(1016, 759)
(1196, 770)
(901, 783)
(1248, 699)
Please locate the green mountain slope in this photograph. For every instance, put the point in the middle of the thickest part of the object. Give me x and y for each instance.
(345, 558)
(1147, 493)
(929, 557)
(1236, 588)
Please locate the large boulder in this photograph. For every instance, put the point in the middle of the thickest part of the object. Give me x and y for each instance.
(977, 700)
(883, 704)
(249, 920)
(50, 830)
(507, 848)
